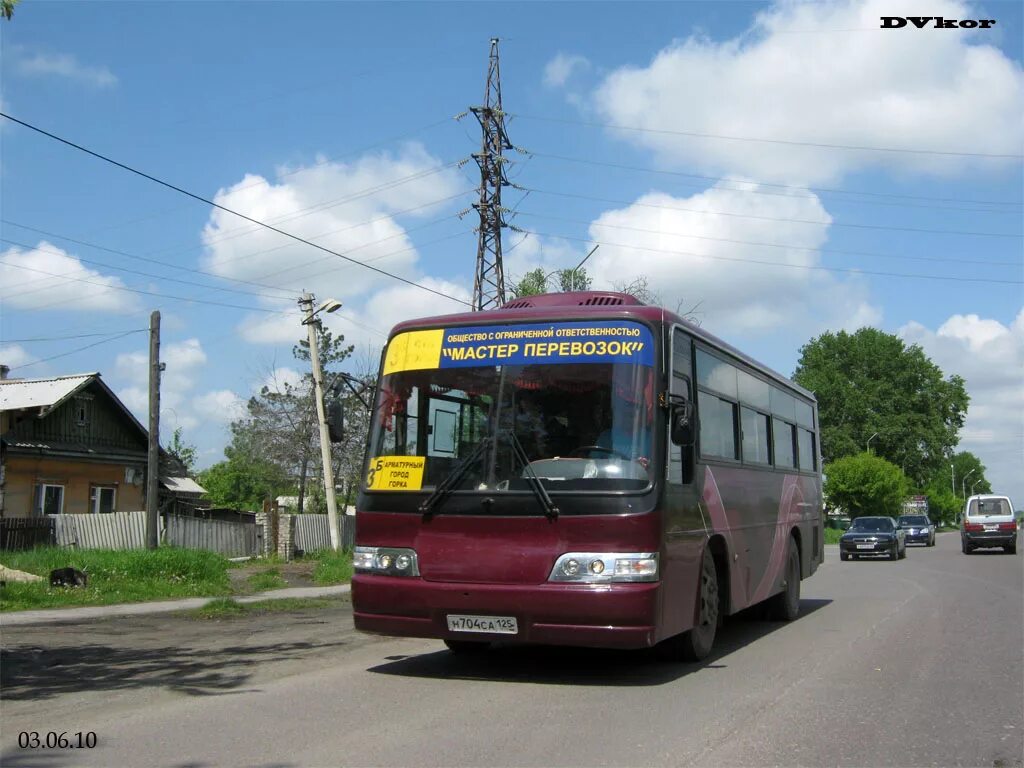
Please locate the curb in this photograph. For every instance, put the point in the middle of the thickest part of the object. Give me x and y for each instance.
(68, 615)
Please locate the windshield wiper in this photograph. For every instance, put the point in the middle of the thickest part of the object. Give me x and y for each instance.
(445, 486)
(531, 475)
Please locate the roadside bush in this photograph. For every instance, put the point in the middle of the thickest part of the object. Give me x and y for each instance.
(865, 485)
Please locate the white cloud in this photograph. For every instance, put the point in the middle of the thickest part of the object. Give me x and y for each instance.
(47, 277)
(558, 71)
(220, 405)
(349, 208)
(661, 237)
(990, 357)
(65, 65)
(184, 361)
(13, 355)
(279, 379)
(801, 75)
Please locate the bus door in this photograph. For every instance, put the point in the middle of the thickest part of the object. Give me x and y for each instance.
(684, 524)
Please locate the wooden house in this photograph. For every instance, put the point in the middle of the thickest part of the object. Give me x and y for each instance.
(68, 445)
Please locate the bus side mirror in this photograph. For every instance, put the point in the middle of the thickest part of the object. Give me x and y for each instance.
(682, 424)
(336, 420)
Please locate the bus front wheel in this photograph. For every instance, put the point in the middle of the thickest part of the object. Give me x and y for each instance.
(695, 644)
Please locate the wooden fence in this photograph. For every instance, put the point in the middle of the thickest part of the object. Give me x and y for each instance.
(20, 533)
(228, 538)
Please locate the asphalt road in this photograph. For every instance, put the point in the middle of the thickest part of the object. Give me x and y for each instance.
(910, 663)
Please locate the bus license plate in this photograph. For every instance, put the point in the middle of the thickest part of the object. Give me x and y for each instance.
(499, 625)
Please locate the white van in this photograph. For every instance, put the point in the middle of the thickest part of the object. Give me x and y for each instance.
(988, 521)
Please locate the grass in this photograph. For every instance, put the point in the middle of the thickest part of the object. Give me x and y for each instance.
(114, 576)
(268, 579)
(832, 535)
(331, 567)
(226, 608)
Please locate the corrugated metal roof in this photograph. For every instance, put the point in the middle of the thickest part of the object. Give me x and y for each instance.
(181, 485)
(16, 394)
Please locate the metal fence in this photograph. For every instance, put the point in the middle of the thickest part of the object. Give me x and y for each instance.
(111, 530)
(228, 538)
(312, 532)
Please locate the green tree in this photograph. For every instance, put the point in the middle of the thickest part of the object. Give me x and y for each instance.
(7, 8)
(532, 284)
(183, 452)
(967, 472)
(871, 383)
(865, 484)
(243, 481)
(536, 282)
(280, 424)
(573, 279)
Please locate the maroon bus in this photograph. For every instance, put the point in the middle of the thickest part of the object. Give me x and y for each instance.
(581, 469)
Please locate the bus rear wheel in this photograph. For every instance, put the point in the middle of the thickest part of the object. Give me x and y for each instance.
(785, 606)
(695, 644)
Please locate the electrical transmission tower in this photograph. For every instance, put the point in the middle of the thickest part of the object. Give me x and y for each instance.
(489, 283)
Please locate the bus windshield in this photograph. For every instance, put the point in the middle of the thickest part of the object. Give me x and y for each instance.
(578, 422)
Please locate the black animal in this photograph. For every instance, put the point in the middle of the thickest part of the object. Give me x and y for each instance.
(68, 577)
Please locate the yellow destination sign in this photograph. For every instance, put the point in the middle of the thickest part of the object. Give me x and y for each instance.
(395, 473)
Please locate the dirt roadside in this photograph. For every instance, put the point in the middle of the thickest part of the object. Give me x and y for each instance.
(59, 667)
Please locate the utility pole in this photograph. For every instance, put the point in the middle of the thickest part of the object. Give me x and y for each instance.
(306, 303)
(489, 283)
(153, 457)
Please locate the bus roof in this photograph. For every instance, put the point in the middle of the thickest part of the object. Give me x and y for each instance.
(584, 305)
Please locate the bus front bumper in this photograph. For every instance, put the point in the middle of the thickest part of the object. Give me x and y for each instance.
(599, 616)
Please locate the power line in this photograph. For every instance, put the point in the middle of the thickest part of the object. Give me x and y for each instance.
(140, 272)
(816, 190)
(819, 145)
(206, 201)
(108, 287)
(817, 267)
(817, 222)
(79, 349)
(64, 338)
(788, 246)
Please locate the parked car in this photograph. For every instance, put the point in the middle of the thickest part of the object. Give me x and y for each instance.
(873, 536)
(918, 529)
(988, 521)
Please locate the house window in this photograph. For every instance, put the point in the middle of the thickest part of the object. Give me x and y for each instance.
(50, 499)
(102, 498)
(81, 406)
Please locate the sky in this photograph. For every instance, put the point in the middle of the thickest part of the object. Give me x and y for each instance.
(781, 169)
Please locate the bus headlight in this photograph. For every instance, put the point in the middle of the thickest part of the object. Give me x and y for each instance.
(391, 561)
(605, 567)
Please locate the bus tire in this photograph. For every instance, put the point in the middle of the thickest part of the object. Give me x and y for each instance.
(467, 647)
(696, 644)
(785, 606)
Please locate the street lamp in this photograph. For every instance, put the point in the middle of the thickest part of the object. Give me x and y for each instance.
(572, 273)
(310, 321)
(572, 280)
(974, 485)
(868, 448)
(963, 482)
(952, 477)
